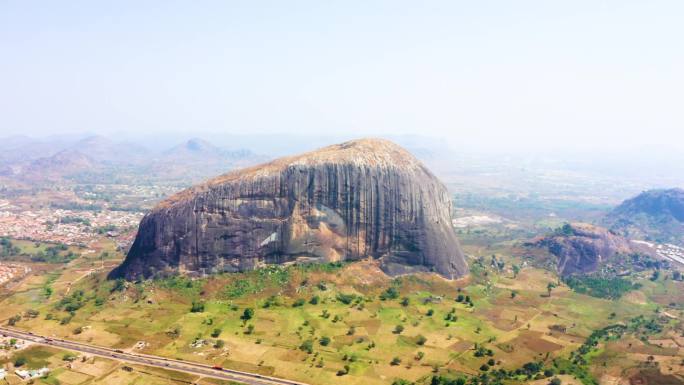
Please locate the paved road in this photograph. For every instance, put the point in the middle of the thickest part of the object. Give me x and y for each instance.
(148, 360)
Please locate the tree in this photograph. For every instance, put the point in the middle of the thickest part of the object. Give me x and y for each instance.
(314, 300)
(656, 275)
(20, 361)
(567, 229)
(514, 293)
(550, 287)
(395, 361)
(421, 340)
(555, 381)
(307, 346)
(119, 285)
(216, 332)
(13, 320)
(248, 314)
(197, 307)
(398, 329)
(219, 344)
(324, 341)
(516, 271)
(390, 293)
(343, 371)
(405, 301)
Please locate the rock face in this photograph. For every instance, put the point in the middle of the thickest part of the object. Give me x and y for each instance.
(359, 199)
(583, 248)
(654, 215)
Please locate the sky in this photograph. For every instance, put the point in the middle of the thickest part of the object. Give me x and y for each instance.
(482, 74)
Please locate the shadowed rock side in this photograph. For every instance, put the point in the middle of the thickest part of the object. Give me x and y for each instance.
(364, 198)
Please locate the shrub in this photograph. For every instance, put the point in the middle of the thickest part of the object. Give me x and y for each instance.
(343, 371)
(400, 381)
(12, 321)
(197, 307)
(395, 361)
(69, 357)
(248, 314)
(324, 341)
(306, 346)
(390, 293)
(346, 298)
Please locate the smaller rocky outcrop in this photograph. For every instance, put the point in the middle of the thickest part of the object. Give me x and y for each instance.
(584, 248)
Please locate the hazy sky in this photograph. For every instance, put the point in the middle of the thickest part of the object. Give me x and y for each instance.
(500, 73)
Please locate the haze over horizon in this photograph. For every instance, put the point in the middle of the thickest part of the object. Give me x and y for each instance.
(530, 75)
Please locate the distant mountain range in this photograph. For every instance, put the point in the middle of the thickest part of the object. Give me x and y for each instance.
(654, 215)
(97, 159)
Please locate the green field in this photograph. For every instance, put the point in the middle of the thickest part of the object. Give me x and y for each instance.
(317, 323)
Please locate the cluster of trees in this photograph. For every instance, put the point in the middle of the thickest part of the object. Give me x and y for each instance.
(58, 253)
(601, 287)
(7, 248)
(72, 219)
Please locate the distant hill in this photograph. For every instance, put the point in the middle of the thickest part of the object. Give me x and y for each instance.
(51, 168)
(197, 159)
(103, 149)
(654, 215)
